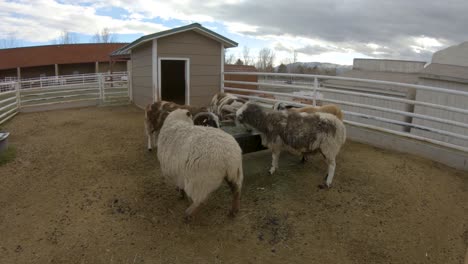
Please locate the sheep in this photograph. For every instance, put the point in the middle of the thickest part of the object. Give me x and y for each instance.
(298, 133)
(225, 105)
(206, 119)
(156, 113)
(197, 159)
(330, 108)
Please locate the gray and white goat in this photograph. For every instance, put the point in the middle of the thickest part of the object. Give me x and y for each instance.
(299, 133)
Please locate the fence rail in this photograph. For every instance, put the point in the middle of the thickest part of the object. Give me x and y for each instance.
(102, 88)
(359, 108)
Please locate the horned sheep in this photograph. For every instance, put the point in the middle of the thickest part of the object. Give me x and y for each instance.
(197, 159)
(156, 113)
(298, 133)
(225, 105)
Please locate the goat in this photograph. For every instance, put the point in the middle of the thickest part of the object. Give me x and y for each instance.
(197, 159)
(225, 105)
(156, 113)
(298, 133)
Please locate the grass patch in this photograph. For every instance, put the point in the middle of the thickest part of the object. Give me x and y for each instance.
(7, 155)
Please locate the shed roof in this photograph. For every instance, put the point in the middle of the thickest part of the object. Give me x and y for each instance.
(56, 54)
(195, 26)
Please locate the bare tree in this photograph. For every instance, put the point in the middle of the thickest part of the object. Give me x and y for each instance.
(10, 41)
(266, 59)
(246, 55)
(105, 36)
(239, 62)
(67, 38)
(229, 58)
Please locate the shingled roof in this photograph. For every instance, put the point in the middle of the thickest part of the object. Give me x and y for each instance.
(228, 43)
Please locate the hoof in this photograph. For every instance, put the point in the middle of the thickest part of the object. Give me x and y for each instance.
(271, 171)
(188, 219)
(324, 186)
(150, 150)
(233, 213)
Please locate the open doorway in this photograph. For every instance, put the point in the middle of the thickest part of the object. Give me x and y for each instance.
(174, 80)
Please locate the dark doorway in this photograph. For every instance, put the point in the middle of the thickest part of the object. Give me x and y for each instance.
(173, 81)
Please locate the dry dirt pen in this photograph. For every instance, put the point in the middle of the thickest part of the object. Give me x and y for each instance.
(83, 189)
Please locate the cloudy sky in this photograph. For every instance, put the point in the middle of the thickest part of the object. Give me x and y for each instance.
(319, 30)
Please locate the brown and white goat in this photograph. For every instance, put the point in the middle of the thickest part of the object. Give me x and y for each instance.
(156, 113)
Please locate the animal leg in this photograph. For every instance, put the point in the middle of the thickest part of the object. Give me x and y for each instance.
(150, 145)
(193, 208)
(304, 159)
(275, 154)
(181, 193)
(331, 172)
(235, 189)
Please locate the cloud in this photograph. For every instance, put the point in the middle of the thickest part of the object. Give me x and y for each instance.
(397, 29)
(44, 20)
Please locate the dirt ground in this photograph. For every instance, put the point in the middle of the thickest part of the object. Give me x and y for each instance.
(83, 189)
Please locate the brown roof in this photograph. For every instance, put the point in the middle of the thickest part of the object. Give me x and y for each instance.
(56, 54)
(239, 68)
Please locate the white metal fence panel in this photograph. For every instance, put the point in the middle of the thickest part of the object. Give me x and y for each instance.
(65, 90)
(8, 100)
(447, 99)
(378, 108)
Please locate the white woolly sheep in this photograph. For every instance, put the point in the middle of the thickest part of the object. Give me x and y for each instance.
(298, 133)
(197, 159)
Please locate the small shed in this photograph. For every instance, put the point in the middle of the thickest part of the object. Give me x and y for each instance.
(182, 65)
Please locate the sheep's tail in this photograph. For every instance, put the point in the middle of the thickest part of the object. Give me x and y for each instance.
(236, 175)
(340, 114)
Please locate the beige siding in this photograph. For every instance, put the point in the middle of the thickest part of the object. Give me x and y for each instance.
(442, 99)
(205, 62)
(142, 78)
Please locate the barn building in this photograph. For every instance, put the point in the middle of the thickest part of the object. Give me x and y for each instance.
(54, 60)
(182, 65)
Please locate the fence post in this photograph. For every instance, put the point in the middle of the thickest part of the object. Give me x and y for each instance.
(314, 100)
(101, 88)
(129, 86)
(18, 97)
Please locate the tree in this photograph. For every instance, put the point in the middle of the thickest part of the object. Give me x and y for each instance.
(246, 55)
(67, 38)
(265, 61)
(229, 58)
(282, 68)
(300, 69)
(239, 62)
(10, 41)
(105, 36)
